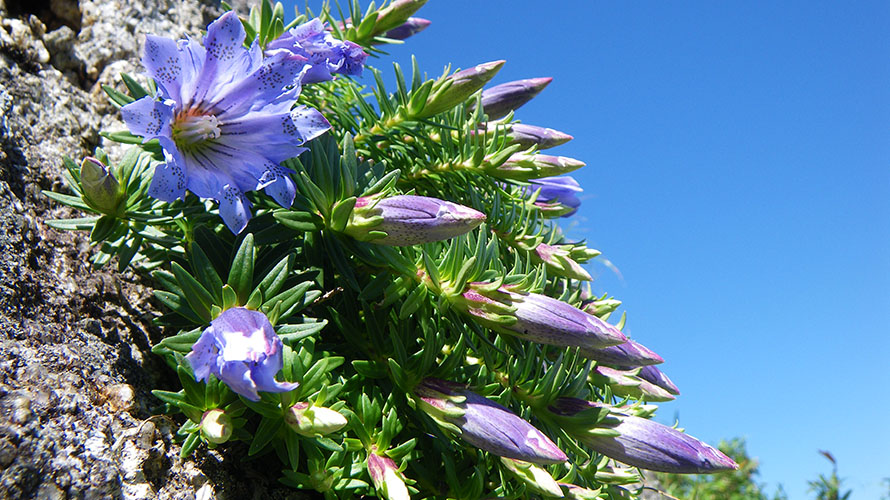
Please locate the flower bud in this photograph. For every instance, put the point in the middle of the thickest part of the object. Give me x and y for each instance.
(657, 377)
(409, 28)
(395, 14)
(484, 423)
(601, 307)
(216, 426)
(410, 220)
(101, 190)
(561, 190)
(387, 478)
(573, 492)
(537, 318)
(501, 99)
(532, 135)
(526, 135)
(534, 477)
(314, 421)
(629, 354)
(458, 87)
(560, 262)
(525, 166)
(640, 442)
(627, 384)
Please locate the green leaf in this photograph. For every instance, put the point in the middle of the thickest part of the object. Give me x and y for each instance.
(340, 214)
(172, 398)
(265, 432)
(194, 390)
(178, 343)
(206, 273)
(118, 99)
(103, 229)
(241, 274)
(191, 442)
(78, 224)
(299, 221)
(196, 295)
(71, 201)
(137, 91)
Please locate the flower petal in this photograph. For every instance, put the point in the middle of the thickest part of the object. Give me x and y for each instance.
(225, 55)
(163, 60)
(169, 180)
(234, 208)
(148, 117)
(279, 185)
(237, 375)
(203, 356)
(259, 88)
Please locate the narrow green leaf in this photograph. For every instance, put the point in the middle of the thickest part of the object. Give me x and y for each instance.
(137, 91)
(196, 295)
(194, 390)
(118, 99)
(265, 432)
(205, 272)
(241, 274)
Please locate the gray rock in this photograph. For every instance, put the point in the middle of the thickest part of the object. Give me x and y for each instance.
(77, 418)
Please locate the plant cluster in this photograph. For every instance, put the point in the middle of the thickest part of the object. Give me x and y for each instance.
(371, 283)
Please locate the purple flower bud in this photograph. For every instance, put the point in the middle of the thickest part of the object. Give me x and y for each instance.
(395, 14)
(532, 135)
(458, 87)
(241, 349)
(561, 190)
(387, 478)
(525, 166)
(655, 376)
(501, 99)
(630, 354)
(540, 319)
(641, 442)
(410, 220)
(101, 190)
(486, 424)
(409, 28)
(625, 383)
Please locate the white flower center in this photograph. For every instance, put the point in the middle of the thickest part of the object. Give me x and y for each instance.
(190, 131)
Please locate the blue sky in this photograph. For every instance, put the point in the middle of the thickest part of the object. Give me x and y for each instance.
(738, 178)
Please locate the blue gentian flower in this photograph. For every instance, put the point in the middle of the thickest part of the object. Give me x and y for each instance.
(223, 117)
(240, 348)
(325, 54)
(561, 190)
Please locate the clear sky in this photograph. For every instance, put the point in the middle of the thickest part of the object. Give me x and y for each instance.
(738, 178)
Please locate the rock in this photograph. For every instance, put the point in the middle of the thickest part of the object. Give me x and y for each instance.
(77, 418)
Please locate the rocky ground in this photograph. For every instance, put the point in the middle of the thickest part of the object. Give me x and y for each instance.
(77, 419)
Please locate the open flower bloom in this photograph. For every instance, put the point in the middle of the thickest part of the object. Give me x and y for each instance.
(486, 424)
(223, 117)
(241, 349)
(640, 442)
(325, 54)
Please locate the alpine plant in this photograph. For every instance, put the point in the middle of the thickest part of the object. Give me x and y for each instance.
(369, 283)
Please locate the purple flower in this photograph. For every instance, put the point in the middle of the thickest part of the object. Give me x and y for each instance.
(325, 54)
(629, 354)
(501, 99)
(241, 349)
(532, 135)
(386, 477)
(486, 424)
(560, 190)
(641, 442)
(539, 318)
(409, 28)
(216, 105)
(410, 220)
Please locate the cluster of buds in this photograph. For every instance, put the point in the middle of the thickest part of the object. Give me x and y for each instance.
(637, 441)
(484, 423)
(410, 220)
(535, 317)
